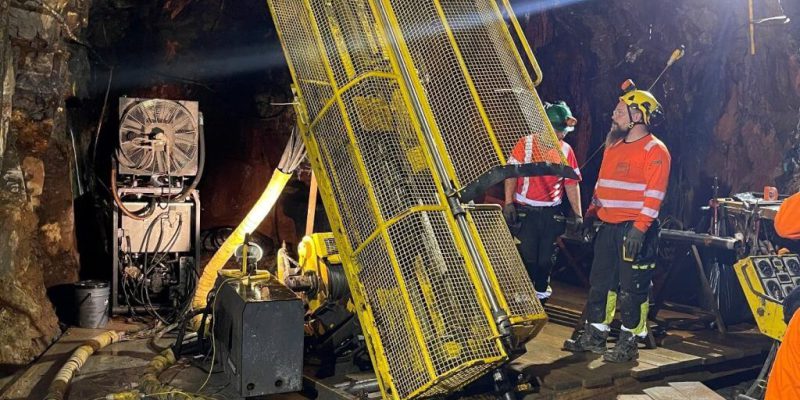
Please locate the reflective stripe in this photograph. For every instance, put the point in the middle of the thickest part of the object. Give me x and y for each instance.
(611, 307)
(526, 182)
(650, 145)
(577, 171)
(650, 212)
(621, 204)
(528, 148)
(513, 161)
(535, 203)
(614, 184)
(656, 194)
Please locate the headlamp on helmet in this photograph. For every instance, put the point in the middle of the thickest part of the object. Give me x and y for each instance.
(641, 100)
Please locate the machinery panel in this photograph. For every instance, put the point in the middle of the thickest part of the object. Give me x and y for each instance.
(766, 281)
(258, 330)
(170, 229)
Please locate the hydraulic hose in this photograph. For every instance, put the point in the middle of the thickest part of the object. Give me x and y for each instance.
(151, 387)
(139, 217)
(61, 382)
(201, 162)
(249, 224)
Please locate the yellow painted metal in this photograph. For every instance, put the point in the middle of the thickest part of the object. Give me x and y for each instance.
(765, 290)
(418, 294)
(526, 47)
(502, 87)
(313, 253)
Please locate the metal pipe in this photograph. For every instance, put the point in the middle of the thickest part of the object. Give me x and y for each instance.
(497, 312)
(363, 386)
(700, 239)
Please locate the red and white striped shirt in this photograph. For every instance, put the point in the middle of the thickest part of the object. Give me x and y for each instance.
(632, 183)
(541, 191)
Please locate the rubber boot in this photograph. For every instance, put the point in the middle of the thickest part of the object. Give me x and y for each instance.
(591, 339)
(625, 350)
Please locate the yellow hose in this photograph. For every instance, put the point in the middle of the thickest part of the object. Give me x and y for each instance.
(59, 385)
(257, 214)
(151, 387)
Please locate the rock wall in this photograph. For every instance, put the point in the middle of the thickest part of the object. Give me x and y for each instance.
(727, 113)
(37, 240)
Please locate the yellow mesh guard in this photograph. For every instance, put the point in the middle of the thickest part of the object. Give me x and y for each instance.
(512, 283)
(479, 94)
(424, 313)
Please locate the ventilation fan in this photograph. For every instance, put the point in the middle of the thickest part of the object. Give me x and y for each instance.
(158, 137)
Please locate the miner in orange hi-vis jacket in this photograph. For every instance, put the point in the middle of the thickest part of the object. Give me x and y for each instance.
(787, 221)
(630, 188)
(784, 378)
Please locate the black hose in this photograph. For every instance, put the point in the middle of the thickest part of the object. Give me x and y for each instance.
(178, 346)
(150, 208)
(337, 283)
(201, 163)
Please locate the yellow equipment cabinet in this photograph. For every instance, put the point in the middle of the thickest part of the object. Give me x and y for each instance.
(409, 109)
(766, 281)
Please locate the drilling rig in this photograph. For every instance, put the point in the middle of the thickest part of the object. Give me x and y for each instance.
(409, 111)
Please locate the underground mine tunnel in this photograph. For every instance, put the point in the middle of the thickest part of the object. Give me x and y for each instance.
(352, 199)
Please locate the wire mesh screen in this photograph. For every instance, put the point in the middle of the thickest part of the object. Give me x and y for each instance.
(482, 100)
(418, 298)
(526, 312)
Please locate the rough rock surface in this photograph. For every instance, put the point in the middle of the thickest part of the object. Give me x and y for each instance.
(727, 114)
(37, 241)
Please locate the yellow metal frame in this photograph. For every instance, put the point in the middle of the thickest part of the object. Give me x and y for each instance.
(328, 182)
(767, 311)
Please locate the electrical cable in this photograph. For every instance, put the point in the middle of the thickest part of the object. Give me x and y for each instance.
(139, 217)
(213, 318)
(201, 162)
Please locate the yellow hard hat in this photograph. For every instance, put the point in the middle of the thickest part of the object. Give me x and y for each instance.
(643, 100)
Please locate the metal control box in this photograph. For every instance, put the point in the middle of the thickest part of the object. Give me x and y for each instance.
(258, 330)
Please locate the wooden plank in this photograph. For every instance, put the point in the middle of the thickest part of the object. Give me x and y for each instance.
(732, 342)
(35, 380)
(651, 364)
(695, 391)
(589, 370)
(682, 360)
(664, 393)
(572, 365)
(558, 380)
(708, 355)
(727, 352)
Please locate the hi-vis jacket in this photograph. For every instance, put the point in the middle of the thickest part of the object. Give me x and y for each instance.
(632, 183)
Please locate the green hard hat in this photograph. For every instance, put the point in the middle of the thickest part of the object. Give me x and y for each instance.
(560, 116)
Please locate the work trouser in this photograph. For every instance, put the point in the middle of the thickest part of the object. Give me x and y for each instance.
(537, 235)
(613, 278)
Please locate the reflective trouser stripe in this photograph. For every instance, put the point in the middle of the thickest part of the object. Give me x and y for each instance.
(641, 329)
(611, 307)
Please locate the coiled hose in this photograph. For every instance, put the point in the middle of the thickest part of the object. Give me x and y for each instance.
(60, 384)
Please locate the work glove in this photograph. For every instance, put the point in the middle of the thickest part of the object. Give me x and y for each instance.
(578, 221)
(510, 213)
(632, 244)
(586, 228)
